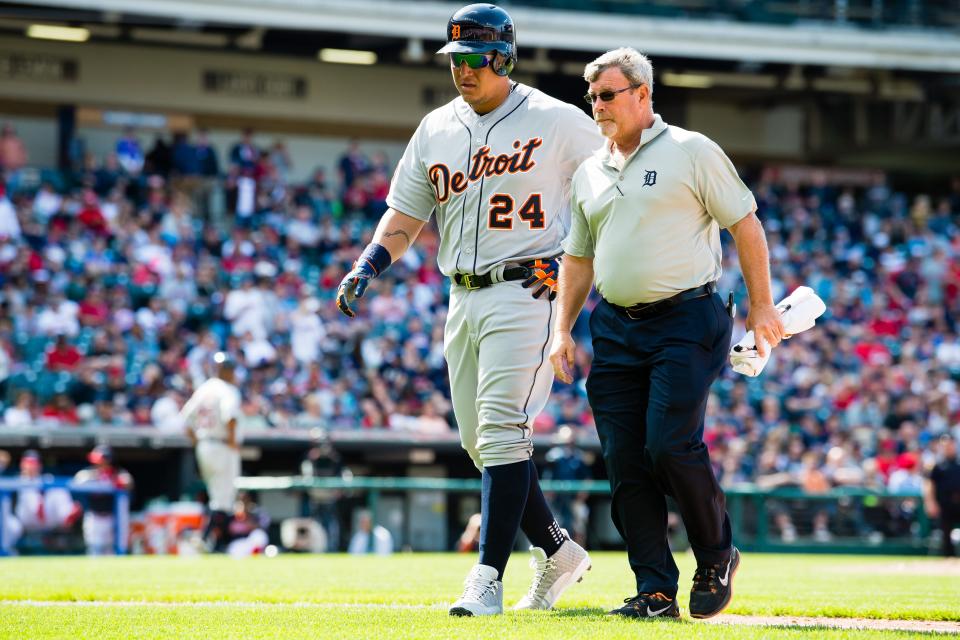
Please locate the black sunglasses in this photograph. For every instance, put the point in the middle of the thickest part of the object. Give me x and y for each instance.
(607, 96)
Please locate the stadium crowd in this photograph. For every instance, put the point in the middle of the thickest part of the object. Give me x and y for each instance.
(119, 279)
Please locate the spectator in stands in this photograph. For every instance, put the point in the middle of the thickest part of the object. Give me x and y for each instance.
(129, 153)
(60, 411)
(107, 415)
(306, 329)
(244, 154)
(246, 309)
(207, 161)
(63, 356)
(318, 194)
(107, 176)
(93, 310)
(302, 229)
(6, 360)
(90, 216)
(46, 203)
(159, 160)
(281, 161)
(13, 153)
(377, 186)
(370, 538)
(9, 222)
(208, 169)
(373, 416)
(353, 163)
(184, 156)
(21, 414)
(85, 386)
(59, 317)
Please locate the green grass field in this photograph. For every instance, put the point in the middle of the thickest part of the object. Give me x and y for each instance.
(403, 596)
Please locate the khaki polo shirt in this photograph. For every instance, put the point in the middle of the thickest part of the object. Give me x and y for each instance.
(653, 227)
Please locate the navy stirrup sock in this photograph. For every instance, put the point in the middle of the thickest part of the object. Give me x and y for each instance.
(538, 522)
(502, 499)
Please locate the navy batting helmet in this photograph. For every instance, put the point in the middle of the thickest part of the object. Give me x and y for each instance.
(479, 28)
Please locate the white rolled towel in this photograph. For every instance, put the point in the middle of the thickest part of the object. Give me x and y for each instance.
(799, 312)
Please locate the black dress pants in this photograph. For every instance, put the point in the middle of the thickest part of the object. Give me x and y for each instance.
(648, 387)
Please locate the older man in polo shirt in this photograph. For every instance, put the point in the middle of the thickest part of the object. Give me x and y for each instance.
(646, 216)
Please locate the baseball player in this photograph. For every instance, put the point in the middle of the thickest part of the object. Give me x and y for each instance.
(494, 167)
(36, 509)
(210, 419)
(99, 523)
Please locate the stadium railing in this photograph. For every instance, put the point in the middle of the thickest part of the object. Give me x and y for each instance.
(861, 518)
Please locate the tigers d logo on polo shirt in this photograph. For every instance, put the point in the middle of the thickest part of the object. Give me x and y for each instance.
(650, 179)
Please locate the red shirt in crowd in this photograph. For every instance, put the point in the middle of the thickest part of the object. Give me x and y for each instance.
(66, 415)
(63, 358)
(94, 313)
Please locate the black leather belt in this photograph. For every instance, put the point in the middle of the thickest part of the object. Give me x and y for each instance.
(649, 309)
(480, 280)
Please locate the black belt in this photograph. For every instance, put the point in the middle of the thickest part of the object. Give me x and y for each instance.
(649, 309)
(480, 280)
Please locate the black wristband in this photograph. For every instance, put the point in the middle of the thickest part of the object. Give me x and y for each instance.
(377, 256)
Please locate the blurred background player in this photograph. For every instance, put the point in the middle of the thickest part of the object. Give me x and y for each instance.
(210, 420)
(247, 530)
(99, 522)
(323, 461)
(941, 493)
(36, 510)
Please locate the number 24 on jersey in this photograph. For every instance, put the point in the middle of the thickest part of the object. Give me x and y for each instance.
(502, 207)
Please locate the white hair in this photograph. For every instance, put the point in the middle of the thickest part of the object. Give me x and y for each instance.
(634, 65)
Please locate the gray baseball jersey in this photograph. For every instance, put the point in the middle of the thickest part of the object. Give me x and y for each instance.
(212, 406)
(499, 185)
(499, 182)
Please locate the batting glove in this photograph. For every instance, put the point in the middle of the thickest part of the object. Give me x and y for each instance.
(543, 278)
(372, 262)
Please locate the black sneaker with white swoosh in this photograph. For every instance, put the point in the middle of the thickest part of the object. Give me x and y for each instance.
(713, 587)
(648, 605)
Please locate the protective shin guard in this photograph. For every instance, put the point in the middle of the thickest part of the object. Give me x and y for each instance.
(502, 498)
(538, 523)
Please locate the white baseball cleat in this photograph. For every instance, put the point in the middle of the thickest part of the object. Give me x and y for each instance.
(554, 574)
(482, 594)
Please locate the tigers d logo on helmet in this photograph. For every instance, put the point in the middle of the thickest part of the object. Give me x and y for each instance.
(481, 28)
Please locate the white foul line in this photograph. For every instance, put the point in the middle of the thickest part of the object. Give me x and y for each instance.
(725, 619)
